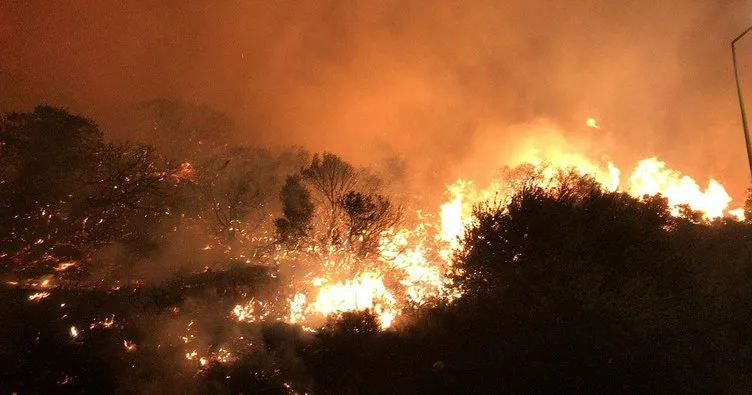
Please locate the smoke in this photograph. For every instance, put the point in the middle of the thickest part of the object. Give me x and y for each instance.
(430, 81)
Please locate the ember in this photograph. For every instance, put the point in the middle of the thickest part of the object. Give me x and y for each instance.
(35, 297)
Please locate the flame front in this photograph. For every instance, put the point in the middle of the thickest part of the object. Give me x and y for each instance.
(652, 177)
(365, 292)
(414, 261)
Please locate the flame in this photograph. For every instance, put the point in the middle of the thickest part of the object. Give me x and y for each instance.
(73, 332)
(737, 214)
(453, 213)
(554, 158)
(365, 292)
(652, 177)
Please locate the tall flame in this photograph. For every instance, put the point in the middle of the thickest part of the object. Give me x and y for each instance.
(652, 177)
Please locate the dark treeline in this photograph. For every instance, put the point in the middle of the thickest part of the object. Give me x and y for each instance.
(567, 288)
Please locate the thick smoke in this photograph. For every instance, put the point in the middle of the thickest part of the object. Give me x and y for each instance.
(431, 81)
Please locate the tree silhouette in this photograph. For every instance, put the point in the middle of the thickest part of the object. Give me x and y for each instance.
(571, 275)
(368, 215)
(297, 209)
(45, 155)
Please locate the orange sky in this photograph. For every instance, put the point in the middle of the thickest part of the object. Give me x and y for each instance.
(442, 82)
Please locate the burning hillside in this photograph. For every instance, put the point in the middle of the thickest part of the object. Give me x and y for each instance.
(412, 265)
(340, 246)
(239, 239)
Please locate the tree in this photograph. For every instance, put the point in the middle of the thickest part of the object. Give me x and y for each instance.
(46, 155)
(133, 189)
(336, 204)
(368, 215)
(297, 210)
(579, 282)
(236, 187)
(65, 189)
(330, 178)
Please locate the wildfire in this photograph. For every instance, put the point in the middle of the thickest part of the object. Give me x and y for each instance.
(413, 263)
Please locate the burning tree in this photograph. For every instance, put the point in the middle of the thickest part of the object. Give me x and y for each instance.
(331, 179)
(134, 188)
(368, 215)
(346, 211)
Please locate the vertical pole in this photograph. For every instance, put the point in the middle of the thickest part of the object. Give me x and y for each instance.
(745, 123)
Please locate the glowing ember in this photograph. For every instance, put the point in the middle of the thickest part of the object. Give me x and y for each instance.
(129, 345)
(223, 356)
(106, 323)
(252, 311)
(64, 266)
(184, 172)
(36, 297)
(73, 332)
(592, 123)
